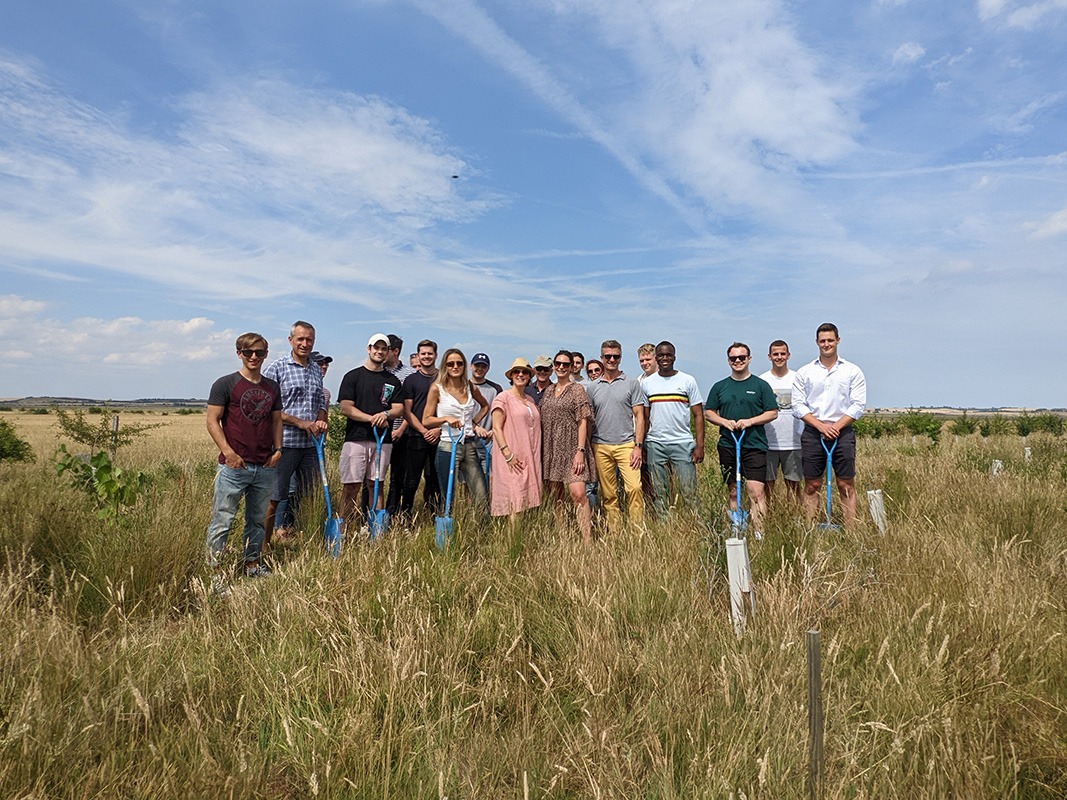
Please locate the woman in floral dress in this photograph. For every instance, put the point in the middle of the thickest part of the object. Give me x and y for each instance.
(565, 420)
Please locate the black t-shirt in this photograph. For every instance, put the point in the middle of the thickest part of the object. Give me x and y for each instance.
(247, 415)
(417, 389)
(371, 392)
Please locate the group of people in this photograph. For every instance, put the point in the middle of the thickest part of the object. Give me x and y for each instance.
(573, 439)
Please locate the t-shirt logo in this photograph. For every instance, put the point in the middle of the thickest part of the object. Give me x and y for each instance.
(256, 404)
(784, 398)
(387, 393)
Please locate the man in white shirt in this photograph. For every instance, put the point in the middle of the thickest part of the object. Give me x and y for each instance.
(829, 394)
(783, 433)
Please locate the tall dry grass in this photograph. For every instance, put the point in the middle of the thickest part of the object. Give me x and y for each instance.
(520, 663)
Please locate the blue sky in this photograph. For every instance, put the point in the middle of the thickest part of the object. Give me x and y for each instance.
(175, 173)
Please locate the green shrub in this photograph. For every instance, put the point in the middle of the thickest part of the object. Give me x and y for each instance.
(94, 435)
(12, 448)
(1049, 423)
(111, 488)
(996, 425)
(38, 411)
(918, 423)
(964, 425)
(335, 434)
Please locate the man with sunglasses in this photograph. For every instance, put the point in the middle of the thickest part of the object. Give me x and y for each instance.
(542, 367)
(741, 404)
(244, 419)
(303, 416)
(618, 435)
(829, 394)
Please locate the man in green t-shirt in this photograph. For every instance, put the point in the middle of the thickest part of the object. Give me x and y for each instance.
(743, 402)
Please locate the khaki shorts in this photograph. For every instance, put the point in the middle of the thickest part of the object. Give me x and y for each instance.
(788, 460)
(358, 463)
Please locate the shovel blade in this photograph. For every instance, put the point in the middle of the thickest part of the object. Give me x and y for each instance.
(443, 530)
(828, 526)
(379, 523)
(332, 536)
(738, 519)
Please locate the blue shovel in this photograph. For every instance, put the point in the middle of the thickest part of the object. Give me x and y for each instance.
(443, 525)
(738, 516)
(379, 517)
(331, 533)
(828, 525)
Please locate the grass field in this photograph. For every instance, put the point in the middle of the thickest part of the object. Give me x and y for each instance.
(522, 664)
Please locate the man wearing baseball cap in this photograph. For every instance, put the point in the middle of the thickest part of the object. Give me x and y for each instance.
(370, 399)
(489, 389)
(542, 367)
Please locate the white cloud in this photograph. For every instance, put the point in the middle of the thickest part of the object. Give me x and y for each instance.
(1019, 14)
(13, 306)
(1053, 225)
(263, 178)
(722, 104)
(987, 9)
(97, 354)
(908, 53)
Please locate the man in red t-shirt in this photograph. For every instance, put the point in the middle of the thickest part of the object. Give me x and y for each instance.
(244, 418)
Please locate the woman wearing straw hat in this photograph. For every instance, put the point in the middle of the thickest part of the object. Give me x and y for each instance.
(516, 467)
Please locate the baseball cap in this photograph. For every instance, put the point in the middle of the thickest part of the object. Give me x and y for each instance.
(378, 337)
(480, 358)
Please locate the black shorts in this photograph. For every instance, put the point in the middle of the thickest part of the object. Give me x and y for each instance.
(813, 457)
(753, 465)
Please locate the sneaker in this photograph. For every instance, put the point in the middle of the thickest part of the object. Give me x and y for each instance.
(758, 536)
(219, 587)
(260, 570)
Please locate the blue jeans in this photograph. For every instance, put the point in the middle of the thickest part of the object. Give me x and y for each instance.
(255, 483)
(484, 449)
(679, 457)
(467, 463)
(301, 463)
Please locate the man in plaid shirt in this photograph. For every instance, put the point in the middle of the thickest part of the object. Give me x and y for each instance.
(303, 414)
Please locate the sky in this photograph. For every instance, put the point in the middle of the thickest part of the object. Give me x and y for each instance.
(520, 176)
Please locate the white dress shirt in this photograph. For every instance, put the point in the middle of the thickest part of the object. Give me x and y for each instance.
(831, 393)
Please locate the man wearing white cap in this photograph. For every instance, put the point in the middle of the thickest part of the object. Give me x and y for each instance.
(370, 399)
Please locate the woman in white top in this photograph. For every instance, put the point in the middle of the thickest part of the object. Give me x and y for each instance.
(455, 405)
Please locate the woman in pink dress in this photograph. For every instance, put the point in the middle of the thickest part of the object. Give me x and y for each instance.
(516, 467)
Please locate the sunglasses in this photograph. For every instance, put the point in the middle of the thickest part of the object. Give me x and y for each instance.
(611, 356)
(250, 353)
(542, 369)
(454, 364)
(559, 364)
(737, 359)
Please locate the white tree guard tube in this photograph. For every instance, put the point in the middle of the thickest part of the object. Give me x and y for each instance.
(740, 582)
(876, 503)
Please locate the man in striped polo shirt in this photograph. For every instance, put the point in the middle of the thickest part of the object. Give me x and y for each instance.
(673, 398)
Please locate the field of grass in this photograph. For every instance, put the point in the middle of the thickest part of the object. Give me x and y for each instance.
(520, 663)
